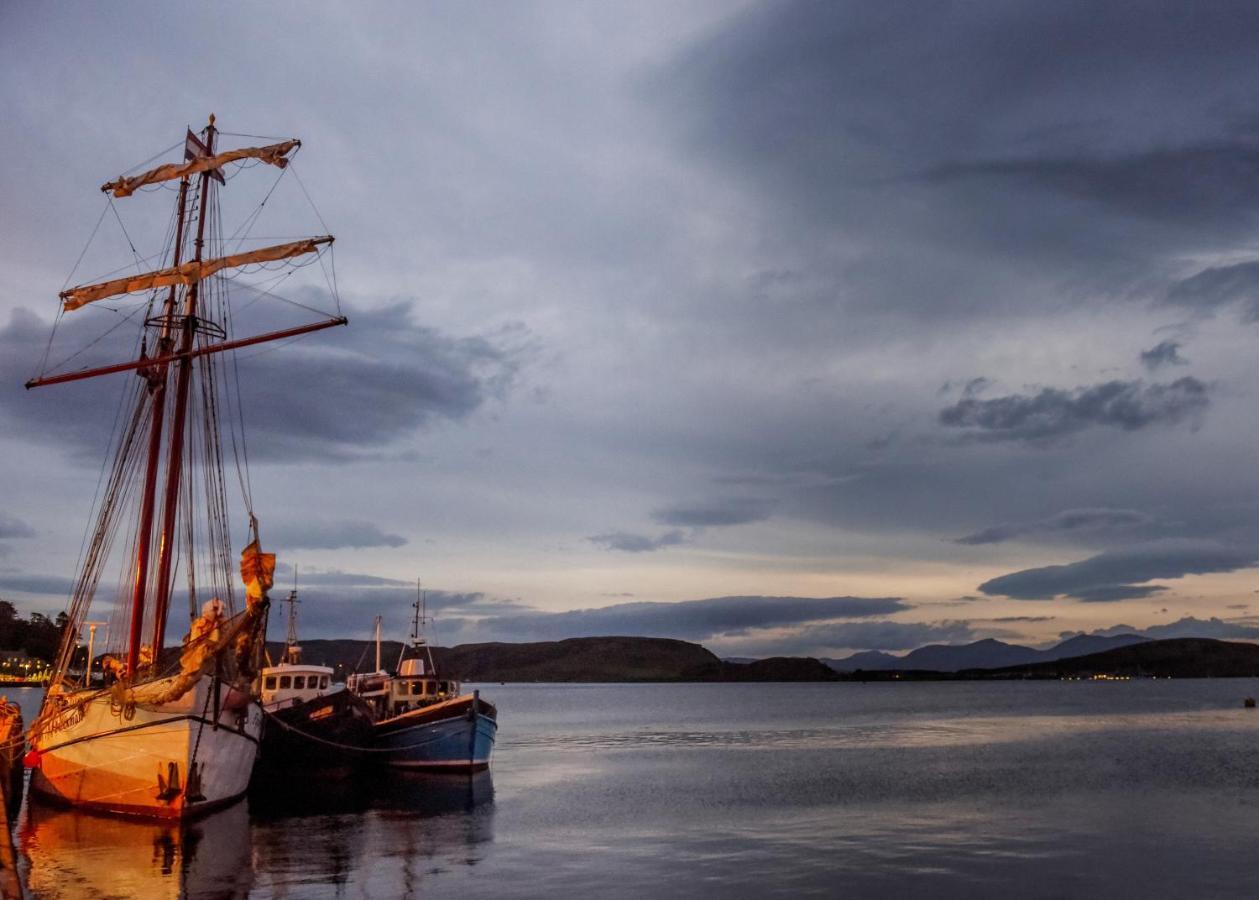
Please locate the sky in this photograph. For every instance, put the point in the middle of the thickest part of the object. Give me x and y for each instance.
(796, 328)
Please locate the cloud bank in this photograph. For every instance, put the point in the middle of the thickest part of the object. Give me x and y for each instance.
(1121, 574)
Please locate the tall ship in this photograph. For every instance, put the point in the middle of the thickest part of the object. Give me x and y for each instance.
(424, 721)
(172, 731)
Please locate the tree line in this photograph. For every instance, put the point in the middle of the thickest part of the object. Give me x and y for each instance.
(38, 636)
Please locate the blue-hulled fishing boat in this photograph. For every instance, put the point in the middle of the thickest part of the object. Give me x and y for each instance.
(423, 720)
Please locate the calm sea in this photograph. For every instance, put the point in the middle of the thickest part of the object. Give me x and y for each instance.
(1029, 790)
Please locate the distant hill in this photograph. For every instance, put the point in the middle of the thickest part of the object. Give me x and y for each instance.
(985, 654)
(581, 659)
(1176, 658)
(869, 660)
(778, 668)
(590, 659)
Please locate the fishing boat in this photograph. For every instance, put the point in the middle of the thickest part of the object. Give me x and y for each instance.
(310, 721)
(169, 733)
(423, 720)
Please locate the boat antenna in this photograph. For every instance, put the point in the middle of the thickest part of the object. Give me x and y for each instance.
(420, 622)
(292, 652)
(378, 643)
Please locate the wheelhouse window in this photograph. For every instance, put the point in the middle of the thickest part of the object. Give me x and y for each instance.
(286, 682)
(268, 683)
(299, 682)
(323, 681)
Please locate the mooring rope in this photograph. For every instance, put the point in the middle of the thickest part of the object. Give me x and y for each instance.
(350, 747)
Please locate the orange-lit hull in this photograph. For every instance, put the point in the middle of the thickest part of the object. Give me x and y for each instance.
(138, 762)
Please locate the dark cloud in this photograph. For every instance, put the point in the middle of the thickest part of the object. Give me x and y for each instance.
(1067, 521)
(51, 585)
(340, 609)
(378, 380)
(1196, 182)
(976, 386)
(330, 535)
(1052, 413)
(695, 620)
(1121, 574)
(342, 394)
(1188, 626)
(1165, 353)
(627, 542)
(1207, 628)
(11, 527)
(732, 511)
(1218, 286)
(1036, 132)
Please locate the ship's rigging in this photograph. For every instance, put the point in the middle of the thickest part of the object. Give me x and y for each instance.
(165, 494)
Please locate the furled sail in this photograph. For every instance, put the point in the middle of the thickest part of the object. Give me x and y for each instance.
(187, 273)
(257, 571)
(275, 154)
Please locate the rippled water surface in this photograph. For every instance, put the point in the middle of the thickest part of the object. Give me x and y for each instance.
(1038, 790)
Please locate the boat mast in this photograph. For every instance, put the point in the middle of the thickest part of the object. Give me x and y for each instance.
(292, 653)
(418, 639)
(378, 643)
(156, 376)
(175, 450)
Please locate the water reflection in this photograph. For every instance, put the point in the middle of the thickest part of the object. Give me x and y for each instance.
(369, 835)
(74, 854)
(951, 790)
(353, 836)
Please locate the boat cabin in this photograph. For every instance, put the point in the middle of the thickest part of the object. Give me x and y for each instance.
(288, 684)
(411, 688)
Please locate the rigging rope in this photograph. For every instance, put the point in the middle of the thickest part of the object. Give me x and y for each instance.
(130, 243)
(60, 310)
(153, 157)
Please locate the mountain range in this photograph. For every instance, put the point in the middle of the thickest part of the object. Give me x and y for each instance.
(985, 654)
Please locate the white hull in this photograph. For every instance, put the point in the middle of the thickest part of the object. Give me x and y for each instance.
(137, 761)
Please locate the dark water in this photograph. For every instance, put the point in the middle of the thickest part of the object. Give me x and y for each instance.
(1037, 790)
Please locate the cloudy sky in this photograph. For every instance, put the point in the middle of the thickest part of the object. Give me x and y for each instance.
(786, 327)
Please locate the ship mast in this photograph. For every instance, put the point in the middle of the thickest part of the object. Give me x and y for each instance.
(156, 376)
(176, 346)
(175, 450)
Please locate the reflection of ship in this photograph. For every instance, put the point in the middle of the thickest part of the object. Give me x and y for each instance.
(404, 824)
(12, 744)
(310, 721)
(77, 854)
(423, 721)
(172, 735)
(421, 794)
